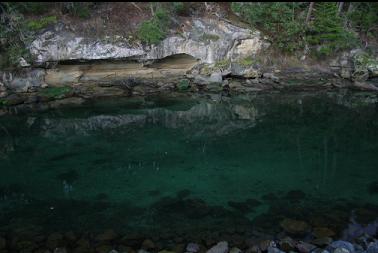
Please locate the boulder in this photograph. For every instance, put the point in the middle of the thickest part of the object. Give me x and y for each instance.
(220, 247)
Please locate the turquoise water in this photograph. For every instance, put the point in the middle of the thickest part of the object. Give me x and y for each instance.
(186, 164)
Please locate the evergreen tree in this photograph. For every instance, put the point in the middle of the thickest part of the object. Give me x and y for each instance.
(327, 29)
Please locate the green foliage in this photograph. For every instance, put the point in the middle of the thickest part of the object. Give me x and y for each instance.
(31, 7)
(55, 92)
(14, 35)
(178, 7)
(209, 37)
(223, 64)
(327, 30)
(364, 17)
(150, 32)
(279, 20)
(154, 30)
(246, 62)
(3, 102)
(78, 9)
(41, 23)
(183, 85)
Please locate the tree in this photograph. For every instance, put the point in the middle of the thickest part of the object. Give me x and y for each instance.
(328, 31)
(310, 8)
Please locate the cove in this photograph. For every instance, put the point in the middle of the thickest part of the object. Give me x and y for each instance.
(192, 165)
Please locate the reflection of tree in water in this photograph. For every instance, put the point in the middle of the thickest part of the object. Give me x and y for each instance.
(7, 143)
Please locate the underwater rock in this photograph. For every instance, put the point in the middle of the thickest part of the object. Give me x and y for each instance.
(373, 188)
(323, 241)
(265, 244)
(320, 232)
(192, 247)
(221, 247)
(104, 249)
(295, 195)
(107, 235)
(54, 240)
(304, 247)
(148, 244)
(295, 227)
(3, 243)
(253, 249)
(269, 196)
(287, 244)
(183, 193)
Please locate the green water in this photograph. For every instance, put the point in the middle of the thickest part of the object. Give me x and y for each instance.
(188, 164)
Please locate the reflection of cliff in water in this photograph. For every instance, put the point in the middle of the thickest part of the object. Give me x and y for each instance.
(202, 118)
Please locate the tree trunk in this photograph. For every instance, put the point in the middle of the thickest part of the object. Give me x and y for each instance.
(309, 12)
(341, 4)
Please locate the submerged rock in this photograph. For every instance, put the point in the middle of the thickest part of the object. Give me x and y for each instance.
(295, 227)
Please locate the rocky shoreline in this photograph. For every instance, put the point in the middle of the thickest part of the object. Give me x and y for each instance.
(291, 239)
(209, 55)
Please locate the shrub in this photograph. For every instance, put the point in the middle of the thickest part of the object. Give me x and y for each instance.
(150, 32)
(56, 92)
(78, 9)
(178, 7)
(154, 30)
(41, 23)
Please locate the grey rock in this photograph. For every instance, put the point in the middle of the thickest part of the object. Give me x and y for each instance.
(23, 80)
(342, 245)
(23, 63)
(305, 247)
(274, 250)
(192, 247)
(60, 250)
(372, 247)
(216, 77)
(271, 76)
(235, 250)
(226, 41)
(220, 247)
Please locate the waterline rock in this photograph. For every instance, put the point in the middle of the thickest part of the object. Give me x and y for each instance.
(221, 247)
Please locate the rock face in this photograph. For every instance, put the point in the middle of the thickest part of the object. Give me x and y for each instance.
(209, 40)
(356, 65)
(61, 44)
